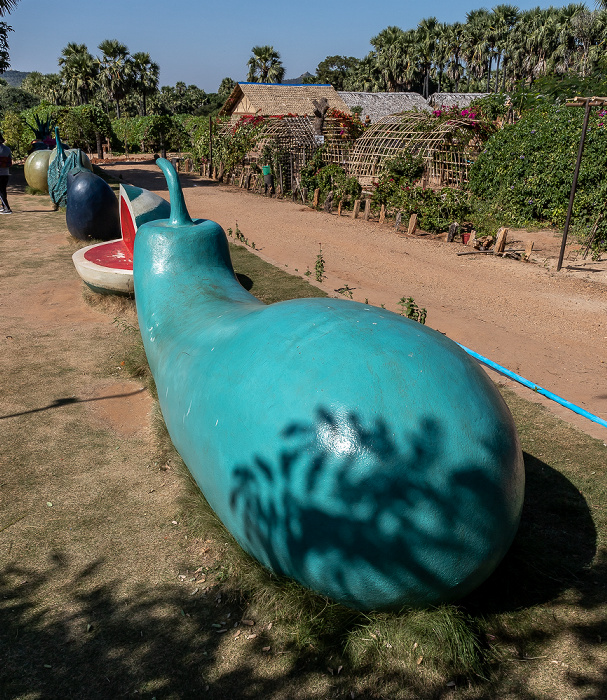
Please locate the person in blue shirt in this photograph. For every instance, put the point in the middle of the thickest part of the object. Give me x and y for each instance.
(268, 180)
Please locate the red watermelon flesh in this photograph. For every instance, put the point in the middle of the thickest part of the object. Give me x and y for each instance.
(113, 254)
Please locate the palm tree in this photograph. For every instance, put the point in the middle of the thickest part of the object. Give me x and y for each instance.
(475, 49)
(115, 70)
(389, 48)
(426, 42)
(366, 77)
(441, 52)
(504, 18)
(455, 40)
(6, 6)
(265, 65)
(78, 72)
(145, 77)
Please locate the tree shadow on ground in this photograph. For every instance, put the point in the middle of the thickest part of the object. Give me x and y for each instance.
(87, 641)
(154, 179)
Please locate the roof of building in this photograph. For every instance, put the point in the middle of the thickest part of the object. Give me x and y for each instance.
(451, 99)
(269, 99)
(380, 104)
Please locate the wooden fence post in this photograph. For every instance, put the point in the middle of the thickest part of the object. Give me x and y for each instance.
(367, 209)
(412, 224)
(356, 210)
(500, 241)
(316, 197)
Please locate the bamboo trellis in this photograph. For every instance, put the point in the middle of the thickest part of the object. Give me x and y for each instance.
(448, 148)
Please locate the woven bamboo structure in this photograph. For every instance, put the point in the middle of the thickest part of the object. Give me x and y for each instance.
(290, 140)
(448, 147)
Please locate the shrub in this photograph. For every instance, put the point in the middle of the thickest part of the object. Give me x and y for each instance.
(526, 170)
(327, 178)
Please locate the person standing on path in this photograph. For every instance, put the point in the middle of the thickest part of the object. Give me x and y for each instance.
(6, 160)
(268, 180)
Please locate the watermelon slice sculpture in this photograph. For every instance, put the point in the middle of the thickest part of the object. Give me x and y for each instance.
(107, 268)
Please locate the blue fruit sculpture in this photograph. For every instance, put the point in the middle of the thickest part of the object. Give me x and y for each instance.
(347, 447)
(92, 207)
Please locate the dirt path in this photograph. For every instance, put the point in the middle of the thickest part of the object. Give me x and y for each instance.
(549, 327)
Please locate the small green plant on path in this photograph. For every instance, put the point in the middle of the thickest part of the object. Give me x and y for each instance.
(346, 291)
(320, 265)
(411, 310)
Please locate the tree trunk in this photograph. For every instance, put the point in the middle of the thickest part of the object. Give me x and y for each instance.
(497, 71)
(99, 145)
(163, 150)
(489, 62)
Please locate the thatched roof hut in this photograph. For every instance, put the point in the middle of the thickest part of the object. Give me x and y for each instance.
(376, 105)
(268, 99)
(454, 99)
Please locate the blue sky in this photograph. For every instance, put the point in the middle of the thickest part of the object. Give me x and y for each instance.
(201, 42)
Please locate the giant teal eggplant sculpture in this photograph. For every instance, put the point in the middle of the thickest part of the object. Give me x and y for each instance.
(347, 447)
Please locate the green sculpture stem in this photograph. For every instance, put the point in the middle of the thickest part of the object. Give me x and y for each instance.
(179, 212)
(59, 145)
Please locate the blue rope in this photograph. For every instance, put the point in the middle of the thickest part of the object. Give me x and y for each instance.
(535, 387)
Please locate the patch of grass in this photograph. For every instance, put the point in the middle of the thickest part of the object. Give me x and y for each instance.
(34, 191)
(266, 282)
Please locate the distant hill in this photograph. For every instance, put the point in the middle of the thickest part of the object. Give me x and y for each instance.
(14, 77)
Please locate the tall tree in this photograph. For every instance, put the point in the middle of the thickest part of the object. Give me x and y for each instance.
(389, 48)
(265, 65)
(115, 70)
(225, 88)
(503, 19)
(475, 49)
(334, 70)
(426, 42)
(6, 6)
(145, 77)
(4, 57)
(79, 73)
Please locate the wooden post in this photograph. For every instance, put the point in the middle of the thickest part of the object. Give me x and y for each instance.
(382, 214)
(367, 209)
(339, 205)
(574, 184)
(412, 224)
(356, 210)
(453, 230)
(210, 142)
(316, 197)
(500, 241)
(528, 250)
(399, 218)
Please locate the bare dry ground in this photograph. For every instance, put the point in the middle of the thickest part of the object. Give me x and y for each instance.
(549, 327)
(104, 594)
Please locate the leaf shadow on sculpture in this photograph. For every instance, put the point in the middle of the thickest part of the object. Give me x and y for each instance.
(410, 520)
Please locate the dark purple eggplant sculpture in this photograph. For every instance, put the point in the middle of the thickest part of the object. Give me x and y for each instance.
(92, 207)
